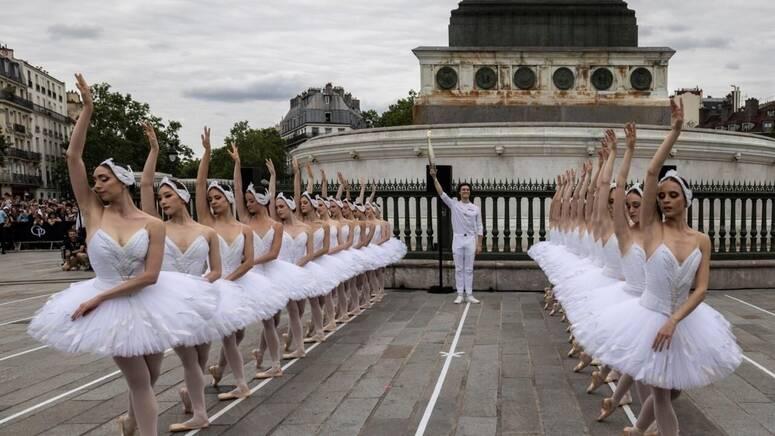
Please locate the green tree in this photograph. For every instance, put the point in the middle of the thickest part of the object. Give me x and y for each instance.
(255, 147)
(371, 117)
(399, 113)
(116, 132)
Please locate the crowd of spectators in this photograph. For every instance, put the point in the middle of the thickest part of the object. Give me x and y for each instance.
(41, 223)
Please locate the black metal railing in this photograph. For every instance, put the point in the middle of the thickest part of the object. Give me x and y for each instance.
(23, 154)
(738, 217)
(13, 98)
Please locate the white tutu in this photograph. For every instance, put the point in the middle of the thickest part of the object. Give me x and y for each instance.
(293, 280)
(164, 315)
(703, 349)
(235, 310)
(336, 267)
(397, 248)
(266, 299)
(381, 255)
(324, 280)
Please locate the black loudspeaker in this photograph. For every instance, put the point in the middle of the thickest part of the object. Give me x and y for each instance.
(665, 169)
(444, 174)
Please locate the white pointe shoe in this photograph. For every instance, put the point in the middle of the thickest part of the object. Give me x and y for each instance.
(459, 299)
(472, 300)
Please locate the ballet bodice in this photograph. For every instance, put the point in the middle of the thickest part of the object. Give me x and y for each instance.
(261, 246)
(299, 246)
(377, 234)
(598, 257)
(574, 242)
(667, 281)
(357, 235)
(345, 232)
(318, 236)
(113, 263)
(287, 250)
(613, 259)
(334, 233)
(231, 254)
(634, 270)
(193, 261)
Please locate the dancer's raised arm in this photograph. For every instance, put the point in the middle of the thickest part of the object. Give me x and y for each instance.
(373, 192)
(310, 179)
(601, 218)
(323, 184)
(272, 188)
(79, 181)
(239, 192)
(297, 186)
(649, 214)
(363, 190)
(147, 196)
(342, 184)
(203, 213)
(586, 176)
(621, 223)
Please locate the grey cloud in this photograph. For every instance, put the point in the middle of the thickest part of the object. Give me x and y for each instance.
(732, 66)
(66, 31)
(269, 88)
(678, 27)
(691, 43)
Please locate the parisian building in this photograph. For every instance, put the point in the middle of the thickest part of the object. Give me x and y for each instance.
(35, 125)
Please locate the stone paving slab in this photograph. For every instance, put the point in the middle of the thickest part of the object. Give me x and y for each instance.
(375, 376)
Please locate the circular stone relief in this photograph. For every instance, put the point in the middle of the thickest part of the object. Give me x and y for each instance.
(602, 79)
(525, 78)
(486, 78)
(446, 78)
(641, 79)
(563, 78)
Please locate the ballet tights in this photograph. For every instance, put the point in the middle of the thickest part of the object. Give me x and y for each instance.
(659, 405)
(263, 345)
(193, 376)
(295, 335)
(270, 340)
(234, 359)
(328, 304)
(222, 360)
(341, 300)
(140, 373)
(317, 315)
(622, 386)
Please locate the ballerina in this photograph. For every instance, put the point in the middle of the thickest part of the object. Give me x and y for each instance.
(257, 296)
(296, 248)
(668, 339)
(253, 210)
(131, 311)
(202, 247)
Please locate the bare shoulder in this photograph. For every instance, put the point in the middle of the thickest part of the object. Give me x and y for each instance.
(703, 240)
(154, 224)
(277, 226)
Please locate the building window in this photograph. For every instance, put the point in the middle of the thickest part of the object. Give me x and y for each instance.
(315, 131)
(768, 125)
(327, 99)
(734, 127)
(328, 130)
(328, 117)
(341, 129)
(747, 127)
(771, 113)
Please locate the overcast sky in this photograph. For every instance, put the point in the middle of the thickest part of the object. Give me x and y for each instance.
(201, 62)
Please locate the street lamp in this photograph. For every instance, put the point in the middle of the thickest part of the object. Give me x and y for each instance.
(172, 154)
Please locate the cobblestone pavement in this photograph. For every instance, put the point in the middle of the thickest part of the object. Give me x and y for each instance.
(377, 374)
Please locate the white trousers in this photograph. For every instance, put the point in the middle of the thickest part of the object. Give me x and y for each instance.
(464, 251)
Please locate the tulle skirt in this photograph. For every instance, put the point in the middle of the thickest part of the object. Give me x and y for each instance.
(235, 309)
(167, 314)
(703, 349)
(293, 280)
(267, 299)
(324, 280)
(336, 267)
(396, 248)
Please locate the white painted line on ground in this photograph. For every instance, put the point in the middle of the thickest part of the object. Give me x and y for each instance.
(750, 305)
(15, 321)
(440, 382)
(22, 353)
(25, 299)
(627, 409)
(759, 365)
(63, 395)
(263, 383)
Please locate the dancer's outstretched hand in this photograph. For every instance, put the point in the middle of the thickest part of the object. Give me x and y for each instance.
(85, 90)
(676, 114)
(664, 336)
(234, 152)
(150, 133)
(631, 135)
(86, 307)
(270, 167)
(206, 139)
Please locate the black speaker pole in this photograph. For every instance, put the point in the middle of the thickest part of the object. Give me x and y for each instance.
(441, 232)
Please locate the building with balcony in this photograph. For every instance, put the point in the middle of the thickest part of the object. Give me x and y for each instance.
(35, 123)
(320, 111)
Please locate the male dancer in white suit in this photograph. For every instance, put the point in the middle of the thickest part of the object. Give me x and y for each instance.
(467, 240)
